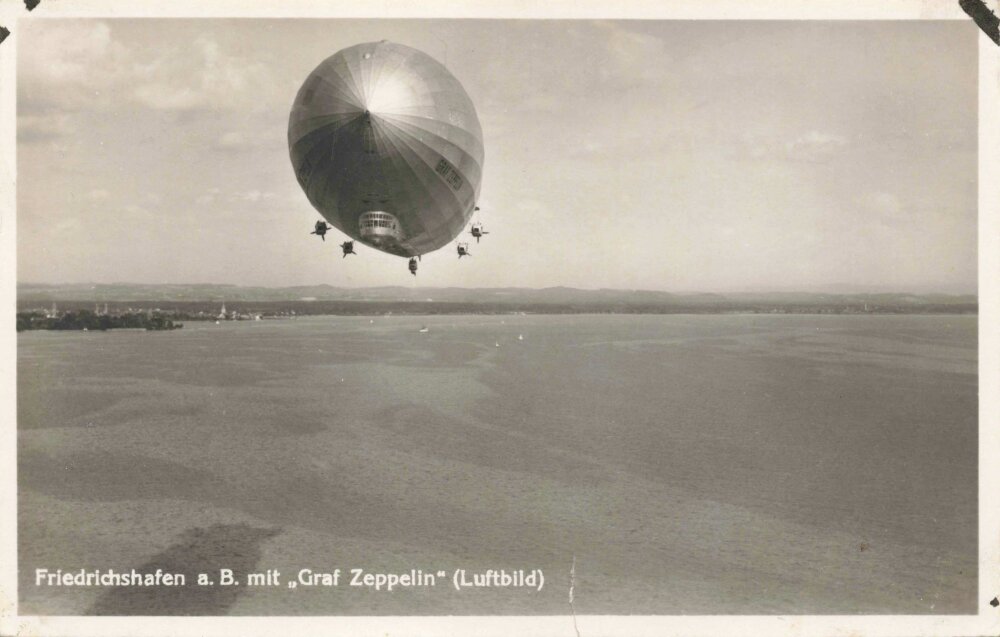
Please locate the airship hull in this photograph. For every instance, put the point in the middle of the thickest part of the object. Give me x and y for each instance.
(387, 146)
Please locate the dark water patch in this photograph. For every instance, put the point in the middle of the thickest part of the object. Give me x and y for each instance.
(216, 373)
(44, 406)
(289, 354)
(457, 354)
(419, 427)
(199, 550)
(166, 404)
(105, 476)
(343, 507)
(332, 502)
(183, 409)
(295, 426)
(436, 353)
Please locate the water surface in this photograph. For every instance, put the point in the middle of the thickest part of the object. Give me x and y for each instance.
(691, 464)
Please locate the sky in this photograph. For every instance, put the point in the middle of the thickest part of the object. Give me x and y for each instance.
(684, 156)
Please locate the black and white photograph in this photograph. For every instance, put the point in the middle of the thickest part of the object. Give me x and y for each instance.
(576, 323)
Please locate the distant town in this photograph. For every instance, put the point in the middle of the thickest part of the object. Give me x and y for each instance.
(98, 320)
(139, 316)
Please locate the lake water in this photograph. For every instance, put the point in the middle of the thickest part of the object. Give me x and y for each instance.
(747, 464)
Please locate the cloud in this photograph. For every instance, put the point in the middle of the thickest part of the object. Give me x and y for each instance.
(252, 196)
(811, 147)
(655, 144)
(814, 146)
(43, 126)
(69, 53)
(233, 140)
(206, 78)
(167, 96)
(883, 205)
(239, 141)
(632, 58)
(65, 67)
(215, 195)
(607, 58)
(72, 66)
(208, 197)
(135, 212)
(67, 224)
(539, 102)
(886, 209)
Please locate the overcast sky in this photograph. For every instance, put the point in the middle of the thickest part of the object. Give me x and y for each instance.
(679, 156)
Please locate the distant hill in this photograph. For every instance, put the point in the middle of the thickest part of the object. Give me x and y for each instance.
(29, 294)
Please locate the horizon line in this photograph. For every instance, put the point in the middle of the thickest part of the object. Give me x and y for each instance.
(789, 290)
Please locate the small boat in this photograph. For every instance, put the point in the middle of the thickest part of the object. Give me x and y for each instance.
(520, 337)
(424, 329)
(497, 344)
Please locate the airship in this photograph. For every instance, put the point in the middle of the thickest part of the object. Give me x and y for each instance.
(387, 147)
